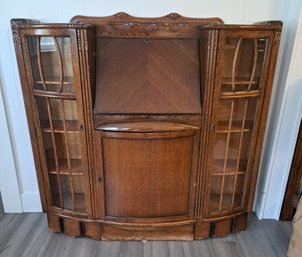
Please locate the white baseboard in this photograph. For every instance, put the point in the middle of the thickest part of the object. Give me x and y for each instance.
(31, 202)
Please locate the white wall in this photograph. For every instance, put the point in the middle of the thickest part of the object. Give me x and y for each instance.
(8, 184)
(283, 130)
(232, 11)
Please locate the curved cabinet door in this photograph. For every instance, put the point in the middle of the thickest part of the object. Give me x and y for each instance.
(239, 101)
(54, 90)
(147, 176)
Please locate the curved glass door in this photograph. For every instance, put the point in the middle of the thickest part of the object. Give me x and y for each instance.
(238, 103)
(57, 107)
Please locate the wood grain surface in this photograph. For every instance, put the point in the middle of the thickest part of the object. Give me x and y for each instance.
(140, 175)
(147, 76)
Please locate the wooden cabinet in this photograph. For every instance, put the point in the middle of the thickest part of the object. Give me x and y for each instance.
(146, 128)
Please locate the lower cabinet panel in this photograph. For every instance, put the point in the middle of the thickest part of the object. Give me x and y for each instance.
(148, 175)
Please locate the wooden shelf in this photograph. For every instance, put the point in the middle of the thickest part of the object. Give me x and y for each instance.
(226, 203)
(228, 81)
(240, 94)
(75, 164)
(63, 95)
(230, 169)
(55, 80)
(71, 127)
(222, 126)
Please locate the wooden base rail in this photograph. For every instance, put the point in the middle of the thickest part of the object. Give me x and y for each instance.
(98, 230)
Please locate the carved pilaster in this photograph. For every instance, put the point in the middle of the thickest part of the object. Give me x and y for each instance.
(79, 41)
(85, 41)
(277, 38)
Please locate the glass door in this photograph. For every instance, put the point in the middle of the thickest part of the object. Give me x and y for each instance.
(236, 116)
(57, 96)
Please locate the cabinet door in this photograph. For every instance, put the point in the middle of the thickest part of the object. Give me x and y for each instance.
(53, 83)
(148, 176)
(238, 103)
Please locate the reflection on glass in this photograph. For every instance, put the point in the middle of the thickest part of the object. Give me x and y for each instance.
(243, 64)
(51, 63)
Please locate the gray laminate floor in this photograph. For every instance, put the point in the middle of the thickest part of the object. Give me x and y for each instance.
(27, 235)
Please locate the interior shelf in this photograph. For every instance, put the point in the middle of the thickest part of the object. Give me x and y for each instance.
(239, 81)
(55, 80)
(63, 95)
(231, 167)
(58, 127)
(75, 165)
(240, 94)
(223, 126)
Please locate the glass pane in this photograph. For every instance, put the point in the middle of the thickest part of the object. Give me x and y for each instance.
(238, 194)
(238, 110)
(32, 47)
(227, 195)
(79, 193)
(66, 192)
(74, 145)
(51, 63)
(243, 64)
(64, 110)
(219, 153)
(54, 190)
(215, 194)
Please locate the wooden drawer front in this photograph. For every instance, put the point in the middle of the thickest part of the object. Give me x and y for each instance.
(148, 175)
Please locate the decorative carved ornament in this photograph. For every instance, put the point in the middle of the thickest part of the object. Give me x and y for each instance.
(173, 16)
(121, 16)
(15, 23)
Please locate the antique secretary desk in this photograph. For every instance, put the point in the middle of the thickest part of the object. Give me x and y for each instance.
(146, 128)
